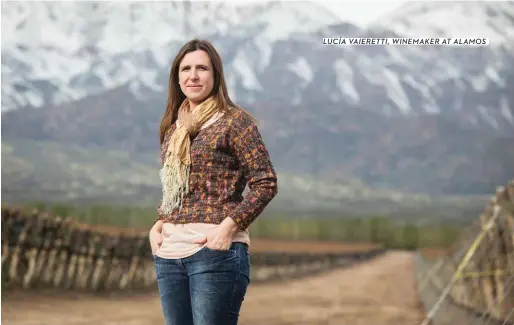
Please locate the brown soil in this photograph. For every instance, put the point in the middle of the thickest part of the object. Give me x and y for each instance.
(433, 253)
(269, 245)
(380, 292)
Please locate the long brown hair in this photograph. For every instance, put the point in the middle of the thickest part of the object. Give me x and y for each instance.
(175, 94)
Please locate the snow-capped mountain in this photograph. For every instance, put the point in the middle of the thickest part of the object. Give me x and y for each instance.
(473, 85)
(492, 19)
(60, 52)
(57, 52)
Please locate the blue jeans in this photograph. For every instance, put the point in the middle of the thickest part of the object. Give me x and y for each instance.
(207, 288)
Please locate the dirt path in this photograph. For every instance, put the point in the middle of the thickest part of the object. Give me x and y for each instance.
(378, 292)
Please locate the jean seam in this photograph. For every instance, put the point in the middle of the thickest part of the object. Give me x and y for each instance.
(236, 282)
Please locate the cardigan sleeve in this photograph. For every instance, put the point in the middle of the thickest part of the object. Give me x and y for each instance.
(254, 159)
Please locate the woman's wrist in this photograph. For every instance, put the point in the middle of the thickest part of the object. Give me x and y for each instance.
(230, 225)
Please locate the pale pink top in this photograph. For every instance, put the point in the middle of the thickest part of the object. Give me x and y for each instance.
(177, 239)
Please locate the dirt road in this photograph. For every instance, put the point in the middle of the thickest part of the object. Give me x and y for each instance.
(378, 292)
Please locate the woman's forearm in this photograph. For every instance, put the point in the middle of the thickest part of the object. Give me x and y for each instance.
(157, 226)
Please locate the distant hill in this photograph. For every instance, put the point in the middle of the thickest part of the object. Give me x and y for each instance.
(421, 154)
(45, 171)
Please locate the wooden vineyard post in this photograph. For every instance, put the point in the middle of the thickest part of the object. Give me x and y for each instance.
(487, 266)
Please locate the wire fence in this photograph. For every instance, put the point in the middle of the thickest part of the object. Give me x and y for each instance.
(473, 284)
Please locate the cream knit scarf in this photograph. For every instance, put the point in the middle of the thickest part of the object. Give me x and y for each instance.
(177, 162)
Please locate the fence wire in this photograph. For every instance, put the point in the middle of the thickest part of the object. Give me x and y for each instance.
(473, 284)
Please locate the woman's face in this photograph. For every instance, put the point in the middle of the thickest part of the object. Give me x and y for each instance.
(196, 76)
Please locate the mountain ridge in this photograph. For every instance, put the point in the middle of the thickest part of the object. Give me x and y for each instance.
(407, 78)
(434, 120)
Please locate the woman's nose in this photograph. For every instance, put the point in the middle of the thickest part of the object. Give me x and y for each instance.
(194, 74)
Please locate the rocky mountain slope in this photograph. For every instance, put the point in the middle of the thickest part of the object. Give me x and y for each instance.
(87, 48)
(417, 119)
(100, 46)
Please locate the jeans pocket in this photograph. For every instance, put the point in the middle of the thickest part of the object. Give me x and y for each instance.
(218, 250)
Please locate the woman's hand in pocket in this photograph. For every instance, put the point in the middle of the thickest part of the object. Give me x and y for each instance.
(220, 237)
(155, 237)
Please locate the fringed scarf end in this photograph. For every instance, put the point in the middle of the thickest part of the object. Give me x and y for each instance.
(174, 178)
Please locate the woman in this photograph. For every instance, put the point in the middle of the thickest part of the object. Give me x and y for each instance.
(210, 150)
